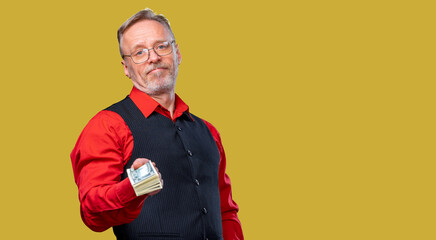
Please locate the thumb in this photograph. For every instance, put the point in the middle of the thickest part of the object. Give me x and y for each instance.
(139, 162)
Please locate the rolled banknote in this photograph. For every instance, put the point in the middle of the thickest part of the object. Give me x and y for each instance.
(144, 179)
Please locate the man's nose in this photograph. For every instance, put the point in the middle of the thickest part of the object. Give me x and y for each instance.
(153, 56)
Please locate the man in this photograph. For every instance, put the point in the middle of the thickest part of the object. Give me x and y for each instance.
(153, 124)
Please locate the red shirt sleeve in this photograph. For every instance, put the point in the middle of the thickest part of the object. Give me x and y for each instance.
(232, 229)
(98, 161)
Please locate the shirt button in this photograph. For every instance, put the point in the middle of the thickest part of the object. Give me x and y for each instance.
(197, 182)
(204, 211)
(179, 128)
(189, 153)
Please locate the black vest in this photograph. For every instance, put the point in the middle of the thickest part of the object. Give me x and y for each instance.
(188, 206)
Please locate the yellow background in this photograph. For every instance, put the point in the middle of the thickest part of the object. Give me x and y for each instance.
(326, 110)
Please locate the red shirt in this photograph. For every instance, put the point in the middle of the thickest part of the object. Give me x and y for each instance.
(98, 159)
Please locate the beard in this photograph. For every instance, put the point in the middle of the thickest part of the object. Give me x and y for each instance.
(161, 81)
(156, 83)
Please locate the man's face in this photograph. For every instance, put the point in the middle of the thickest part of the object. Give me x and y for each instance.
(158, 74)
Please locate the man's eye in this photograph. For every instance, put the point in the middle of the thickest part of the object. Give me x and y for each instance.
(139, 52)
(162, 46)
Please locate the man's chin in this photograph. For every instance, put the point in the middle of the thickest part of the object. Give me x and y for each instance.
(155, 89)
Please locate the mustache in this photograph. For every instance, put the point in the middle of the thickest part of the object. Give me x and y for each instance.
(155, 66)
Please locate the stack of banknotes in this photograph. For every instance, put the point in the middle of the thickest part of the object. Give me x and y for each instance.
(145, 179)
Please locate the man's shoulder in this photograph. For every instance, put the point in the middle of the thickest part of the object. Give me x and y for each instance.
(209, 125)
(106, 119)
(201, 120)
(120, 104)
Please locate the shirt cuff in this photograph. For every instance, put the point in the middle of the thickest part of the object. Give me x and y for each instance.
(125, 191)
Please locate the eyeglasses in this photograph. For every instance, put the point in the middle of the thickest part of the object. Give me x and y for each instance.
(142, 54)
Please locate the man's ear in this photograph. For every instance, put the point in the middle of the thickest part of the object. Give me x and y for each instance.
(179, 56)
(126, 70)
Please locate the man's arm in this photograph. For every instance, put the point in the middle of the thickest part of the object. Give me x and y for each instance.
(232, 229)
(98, 161)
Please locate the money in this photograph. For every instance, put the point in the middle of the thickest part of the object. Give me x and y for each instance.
(145, 179)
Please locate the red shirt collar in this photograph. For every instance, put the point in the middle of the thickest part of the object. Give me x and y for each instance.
(148, 105)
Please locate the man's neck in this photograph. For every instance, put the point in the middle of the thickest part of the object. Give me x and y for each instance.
(166, 100)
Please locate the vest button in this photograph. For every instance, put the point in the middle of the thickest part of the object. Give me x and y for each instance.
(197, 182)
(189, 153)
(179, 128)
(204, 211)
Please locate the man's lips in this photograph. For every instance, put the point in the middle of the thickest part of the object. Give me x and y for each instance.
(155, 70)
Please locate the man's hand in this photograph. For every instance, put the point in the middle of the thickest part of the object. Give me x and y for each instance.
(141, 161)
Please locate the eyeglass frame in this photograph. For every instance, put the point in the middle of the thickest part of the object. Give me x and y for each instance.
(148, 53)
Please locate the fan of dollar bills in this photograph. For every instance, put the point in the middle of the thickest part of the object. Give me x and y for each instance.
(144, 179)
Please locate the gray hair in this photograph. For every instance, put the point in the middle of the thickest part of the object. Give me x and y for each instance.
(146, 14)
